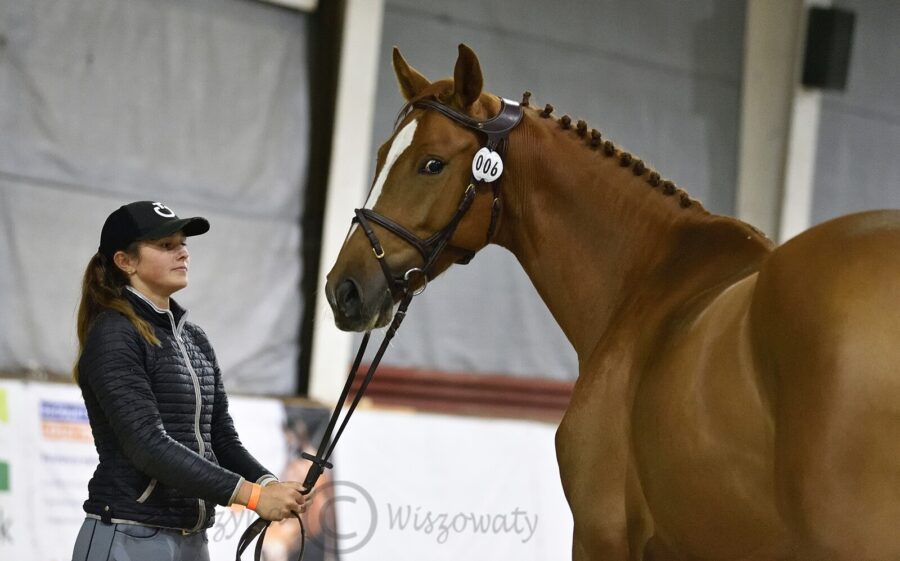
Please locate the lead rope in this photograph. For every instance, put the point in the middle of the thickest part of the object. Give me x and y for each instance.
(320, 460)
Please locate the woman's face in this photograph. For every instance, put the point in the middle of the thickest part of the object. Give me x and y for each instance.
(162, 267)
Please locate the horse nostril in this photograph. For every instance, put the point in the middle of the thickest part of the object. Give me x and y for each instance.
(348, 299)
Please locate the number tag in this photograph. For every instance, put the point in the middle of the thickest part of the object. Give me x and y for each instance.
(487, 165)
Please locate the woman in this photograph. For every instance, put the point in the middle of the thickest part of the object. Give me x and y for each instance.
(157, 407)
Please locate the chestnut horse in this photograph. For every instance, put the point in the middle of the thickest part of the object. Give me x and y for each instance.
(735, 400)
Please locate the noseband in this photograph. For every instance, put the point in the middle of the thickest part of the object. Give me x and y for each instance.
(496, 130)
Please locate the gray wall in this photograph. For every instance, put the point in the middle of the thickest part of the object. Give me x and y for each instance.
(858, 158)
(659, 78)
(201, 104)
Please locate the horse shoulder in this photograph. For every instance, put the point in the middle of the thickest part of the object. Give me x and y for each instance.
(703, 432)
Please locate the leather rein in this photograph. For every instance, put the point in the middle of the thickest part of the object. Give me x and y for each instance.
(496, 129)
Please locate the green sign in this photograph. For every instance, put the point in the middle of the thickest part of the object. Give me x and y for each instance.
(4, 476)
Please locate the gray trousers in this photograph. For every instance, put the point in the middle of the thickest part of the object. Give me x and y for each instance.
(129, 542)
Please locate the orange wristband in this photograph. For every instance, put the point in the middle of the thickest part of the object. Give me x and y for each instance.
(254, 496)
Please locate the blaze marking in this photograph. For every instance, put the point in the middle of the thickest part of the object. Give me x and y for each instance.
(398, 146)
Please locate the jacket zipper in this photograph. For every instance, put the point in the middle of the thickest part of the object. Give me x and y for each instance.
(176, 331)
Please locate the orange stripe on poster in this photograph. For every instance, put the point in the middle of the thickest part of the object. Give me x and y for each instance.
(76, 432)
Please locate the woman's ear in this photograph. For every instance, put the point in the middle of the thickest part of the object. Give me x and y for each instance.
(124, 262)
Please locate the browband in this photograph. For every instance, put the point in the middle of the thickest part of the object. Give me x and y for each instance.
(496, 128)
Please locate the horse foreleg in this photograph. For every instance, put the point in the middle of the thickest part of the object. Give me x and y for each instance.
(590, 545)
(594, 463)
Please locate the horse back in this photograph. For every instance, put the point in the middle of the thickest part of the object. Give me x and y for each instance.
(826, 301)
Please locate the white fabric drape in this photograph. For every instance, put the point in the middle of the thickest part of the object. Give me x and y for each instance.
(200, 104)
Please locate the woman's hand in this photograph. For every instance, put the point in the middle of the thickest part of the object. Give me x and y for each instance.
(279, 500)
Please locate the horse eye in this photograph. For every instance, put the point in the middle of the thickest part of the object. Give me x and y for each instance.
(432, 167)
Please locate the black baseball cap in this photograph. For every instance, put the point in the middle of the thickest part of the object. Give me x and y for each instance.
(144, 220)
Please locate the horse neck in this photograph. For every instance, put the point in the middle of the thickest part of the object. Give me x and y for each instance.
(598, 241)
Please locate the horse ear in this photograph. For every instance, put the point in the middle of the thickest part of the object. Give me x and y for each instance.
(467, 78)
(410, 80)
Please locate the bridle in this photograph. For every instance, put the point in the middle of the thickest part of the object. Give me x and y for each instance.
(496, 130)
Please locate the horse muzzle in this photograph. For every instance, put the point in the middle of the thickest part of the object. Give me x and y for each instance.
(358, 307)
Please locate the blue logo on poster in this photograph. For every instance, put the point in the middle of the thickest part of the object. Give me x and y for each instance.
(62, 420)
(63, 412)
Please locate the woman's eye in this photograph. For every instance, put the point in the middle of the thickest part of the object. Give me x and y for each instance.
(432, 167)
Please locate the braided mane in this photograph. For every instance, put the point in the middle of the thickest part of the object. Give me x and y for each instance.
(594, 140)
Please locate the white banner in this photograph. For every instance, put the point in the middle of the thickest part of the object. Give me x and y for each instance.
(62, 459)
(15, 542)
(407, 486)
(47, 457)
(416, 486)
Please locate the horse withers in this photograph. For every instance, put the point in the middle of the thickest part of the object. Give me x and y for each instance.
(735, 400)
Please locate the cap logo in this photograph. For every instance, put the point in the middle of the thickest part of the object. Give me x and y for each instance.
(163, 210)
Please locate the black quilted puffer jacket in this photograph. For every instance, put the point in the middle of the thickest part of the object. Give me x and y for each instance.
(167, 445)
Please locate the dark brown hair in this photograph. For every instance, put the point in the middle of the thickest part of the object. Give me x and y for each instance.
(101, 290)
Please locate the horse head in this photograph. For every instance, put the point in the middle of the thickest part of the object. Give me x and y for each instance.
(413, 225)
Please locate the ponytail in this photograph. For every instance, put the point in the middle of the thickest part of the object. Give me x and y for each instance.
(101, 290)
